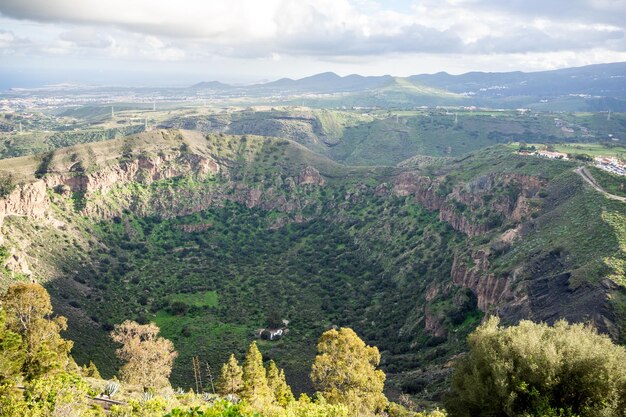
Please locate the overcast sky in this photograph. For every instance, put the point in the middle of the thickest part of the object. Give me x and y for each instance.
(150, 42)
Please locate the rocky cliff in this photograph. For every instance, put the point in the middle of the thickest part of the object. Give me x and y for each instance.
(495, 207)
(460, 205)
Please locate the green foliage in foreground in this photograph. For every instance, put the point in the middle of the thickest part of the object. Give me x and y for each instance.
(345, 372)
(538, 370)
(29, 334)
(526, 370)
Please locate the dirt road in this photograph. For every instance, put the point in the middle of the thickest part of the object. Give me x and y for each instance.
(584, 172)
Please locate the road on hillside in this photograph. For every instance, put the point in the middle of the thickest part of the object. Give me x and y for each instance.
(584, 172)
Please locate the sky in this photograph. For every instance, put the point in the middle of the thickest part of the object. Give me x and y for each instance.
(175, 43)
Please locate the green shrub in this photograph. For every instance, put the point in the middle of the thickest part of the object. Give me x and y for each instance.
(539, 370)
(7, 184)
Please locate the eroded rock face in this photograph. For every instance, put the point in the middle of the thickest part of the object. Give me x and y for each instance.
(430, 193)
(144, 170)
(490, 290)
(29, 200)
(546, 293)
(310, 175)
(538, 289)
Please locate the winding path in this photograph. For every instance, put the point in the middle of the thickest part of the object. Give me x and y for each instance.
(584, 172)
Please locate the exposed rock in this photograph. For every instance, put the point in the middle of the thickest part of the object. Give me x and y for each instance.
(30, 200)
(433, 324)
(254, 196)
(310, 175)
(18, 264)
(490, 291)
(546, 293)
(430, 194)
(382, 189)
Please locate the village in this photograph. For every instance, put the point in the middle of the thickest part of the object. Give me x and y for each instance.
(607, 163)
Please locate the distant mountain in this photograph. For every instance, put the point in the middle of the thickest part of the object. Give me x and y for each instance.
(327, 82)
(211, 85)
(600, 80)
(331, 82)
(589, 88)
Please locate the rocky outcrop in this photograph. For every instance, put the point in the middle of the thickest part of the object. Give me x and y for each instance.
(433, 324)
(545, 293)
(310, 175)
(30, 200)
(457, 206)
(143, 169)
(490, 290)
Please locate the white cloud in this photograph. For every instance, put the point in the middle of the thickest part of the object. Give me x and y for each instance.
(299, 35)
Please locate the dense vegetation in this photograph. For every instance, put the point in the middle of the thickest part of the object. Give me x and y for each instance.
(529, 369)
(537, 370)
(280, 238)
(210, 279)
(38, 377)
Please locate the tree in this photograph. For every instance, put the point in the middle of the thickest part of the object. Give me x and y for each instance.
(12, 356)
(7, 184)
(28, 313)
(345, 372)
(148, 357)
(537, 369)
(91, 371)
(255, 389)
(278, 385)
(230, 381)
(11, 362)
(274, 320)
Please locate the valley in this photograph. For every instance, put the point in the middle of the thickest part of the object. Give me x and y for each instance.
(213, 236)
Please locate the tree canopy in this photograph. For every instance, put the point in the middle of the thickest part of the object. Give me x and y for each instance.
(148, 356)
(539, 370)
(278, 385)
(255, 388)
(345, 372)
(29, 314)
(231, 378)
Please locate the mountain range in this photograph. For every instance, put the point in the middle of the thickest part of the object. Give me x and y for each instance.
(597, 87)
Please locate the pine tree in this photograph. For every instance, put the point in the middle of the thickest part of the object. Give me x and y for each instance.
(345, 372)
(29, 314)
(283, 393)
(231, 378)
(255, 389)
(278, 385)
(12, 357)
(91, 371)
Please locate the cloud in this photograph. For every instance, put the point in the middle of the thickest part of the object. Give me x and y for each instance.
(328, 29)
(596, 11)
(86, 37)
(11, 44)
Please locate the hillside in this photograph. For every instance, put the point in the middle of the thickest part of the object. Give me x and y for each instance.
(213, 236)
(352, 137)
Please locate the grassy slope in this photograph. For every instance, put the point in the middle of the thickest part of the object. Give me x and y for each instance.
(353, 136)
(614, 184)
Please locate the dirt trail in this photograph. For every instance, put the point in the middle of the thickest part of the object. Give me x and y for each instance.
(584, 172)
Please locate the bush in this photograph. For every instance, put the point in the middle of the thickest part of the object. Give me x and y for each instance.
(7, 184)
(539, 370)
(179, 308)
